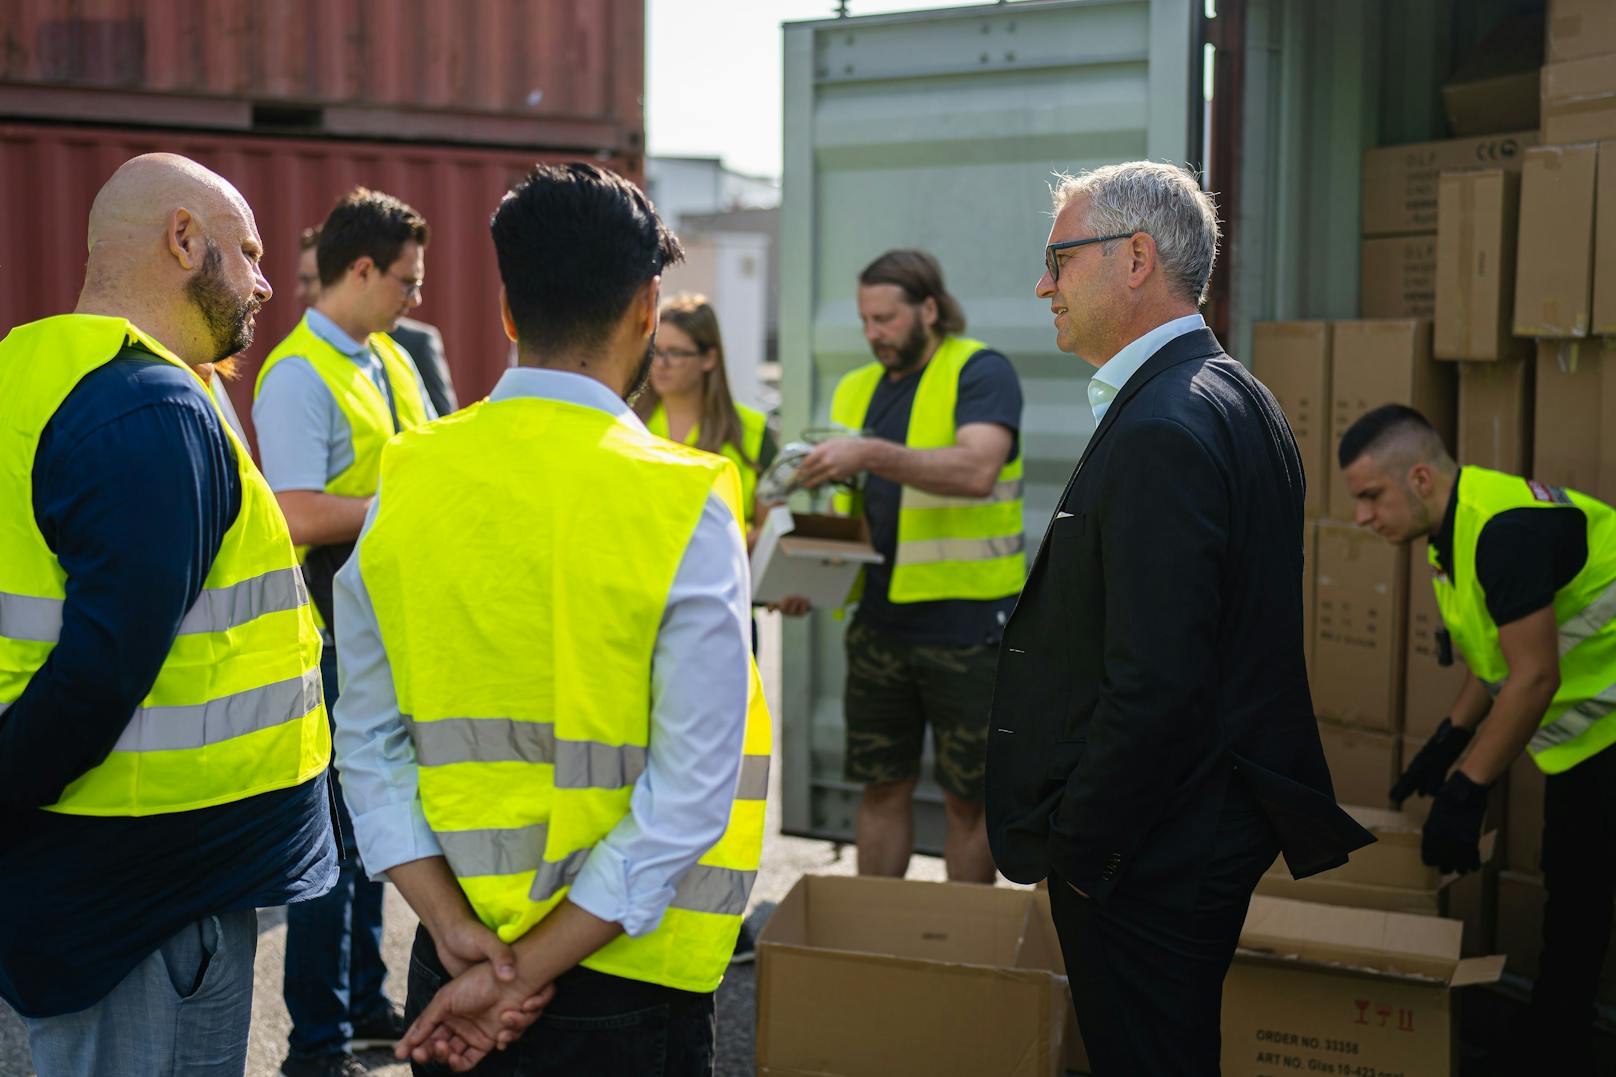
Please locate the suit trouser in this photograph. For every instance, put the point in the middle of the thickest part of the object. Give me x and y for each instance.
(1579, 880)
(1147, 981)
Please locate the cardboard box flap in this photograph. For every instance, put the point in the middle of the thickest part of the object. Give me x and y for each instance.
(1403, 944)
(1385, 824)
(1587, 82)
(834, 549)
(1477, 970)
(949, 923)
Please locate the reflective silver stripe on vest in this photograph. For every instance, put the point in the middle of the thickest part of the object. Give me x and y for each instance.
(219, 609)
(494, 851)
(1004, 490)
(1588, 621)
(1569, 726)
(553, 875)
(481, 740)
(754, 783)
(717, 890)
(25, 617)
(928, 551)
(579, 764)
(166, 729)
(216, 609)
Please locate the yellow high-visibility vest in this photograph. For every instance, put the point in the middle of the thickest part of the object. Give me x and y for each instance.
(236, 709)
(519, 564)
(1581, 719)
(753, 425)
(948, 547)
(370, 423)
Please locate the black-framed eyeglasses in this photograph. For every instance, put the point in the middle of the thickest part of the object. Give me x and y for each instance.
(1052, 263)
(669, 356)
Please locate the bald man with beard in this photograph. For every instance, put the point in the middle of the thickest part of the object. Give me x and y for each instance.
(163, 743)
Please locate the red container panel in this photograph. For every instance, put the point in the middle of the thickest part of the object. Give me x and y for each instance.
(49, 176)
(574, 70)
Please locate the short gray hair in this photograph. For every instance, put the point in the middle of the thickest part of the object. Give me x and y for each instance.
(1162, 200)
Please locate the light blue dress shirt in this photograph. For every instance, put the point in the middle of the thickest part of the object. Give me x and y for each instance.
(304, 440)
(1106, 382)
(700, 674)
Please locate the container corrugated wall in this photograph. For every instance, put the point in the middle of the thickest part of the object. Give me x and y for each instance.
(562, 73)
(941, 130)
(49, 177)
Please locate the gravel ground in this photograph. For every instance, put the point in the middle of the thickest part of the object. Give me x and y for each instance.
(785, 860)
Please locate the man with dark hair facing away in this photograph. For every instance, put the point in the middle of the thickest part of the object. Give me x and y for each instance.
(1525, 576)
(942, 496)
(556, 731)
(328, 398)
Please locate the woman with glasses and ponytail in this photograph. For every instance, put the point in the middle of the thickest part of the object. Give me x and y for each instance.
(688, 399)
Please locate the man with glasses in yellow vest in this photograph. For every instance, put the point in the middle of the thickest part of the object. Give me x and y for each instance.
(328, 398)
(1525, 577)
(551, 726)
(163, 744)
(942, 496)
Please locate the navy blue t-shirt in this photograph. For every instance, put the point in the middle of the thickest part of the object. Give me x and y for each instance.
(989, 392)
(135, 485)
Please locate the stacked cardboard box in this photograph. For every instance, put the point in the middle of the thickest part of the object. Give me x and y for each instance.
(1293, 360)
(1574, 443)
(1325, 376)
(1554, 270)
(1578, 85)
(1400, 195)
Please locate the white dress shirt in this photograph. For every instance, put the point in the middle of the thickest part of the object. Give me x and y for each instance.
(1107, 382)
(700, 675)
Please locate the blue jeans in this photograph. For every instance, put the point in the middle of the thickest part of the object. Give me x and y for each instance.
(184, 1010)
(334, 968)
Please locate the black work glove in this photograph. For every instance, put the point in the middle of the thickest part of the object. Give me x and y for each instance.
(1432, 763)
(1452, 840)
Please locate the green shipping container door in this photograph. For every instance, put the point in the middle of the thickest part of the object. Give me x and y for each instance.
(941, 130)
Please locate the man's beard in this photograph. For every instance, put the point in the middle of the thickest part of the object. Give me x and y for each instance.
(642, 376)
(911, 350)
(225, 314)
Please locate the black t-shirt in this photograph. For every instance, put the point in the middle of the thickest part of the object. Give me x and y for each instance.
(989, 392)
(767, 451)
(1523, 556)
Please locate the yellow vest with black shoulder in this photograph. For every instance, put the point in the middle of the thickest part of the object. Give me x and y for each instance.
(370, 422)
(948, 547)
(522, 663)
(753, 425)
(1581, 719)
(236, 709)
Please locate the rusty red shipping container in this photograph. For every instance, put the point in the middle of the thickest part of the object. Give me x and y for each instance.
(49, 176)
(560, 73)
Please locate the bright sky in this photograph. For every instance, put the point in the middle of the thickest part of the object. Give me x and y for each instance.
(712, 78)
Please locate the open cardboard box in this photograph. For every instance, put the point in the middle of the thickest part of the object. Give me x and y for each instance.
(869, 977)
(1326, 989)
(1387, 875)
(815, 556)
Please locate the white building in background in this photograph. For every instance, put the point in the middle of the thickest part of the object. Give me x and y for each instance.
(681, 185)
(729, 224)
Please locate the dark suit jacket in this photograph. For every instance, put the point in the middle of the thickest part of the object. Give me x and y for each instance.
(425, 345)
(1156, 651)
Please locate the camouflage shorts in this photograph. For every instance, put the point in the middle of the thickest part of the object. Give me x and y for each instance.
(895, 689)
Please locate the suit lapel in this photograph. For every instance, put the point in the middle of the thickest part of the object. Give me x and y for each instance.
(1195, 345)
